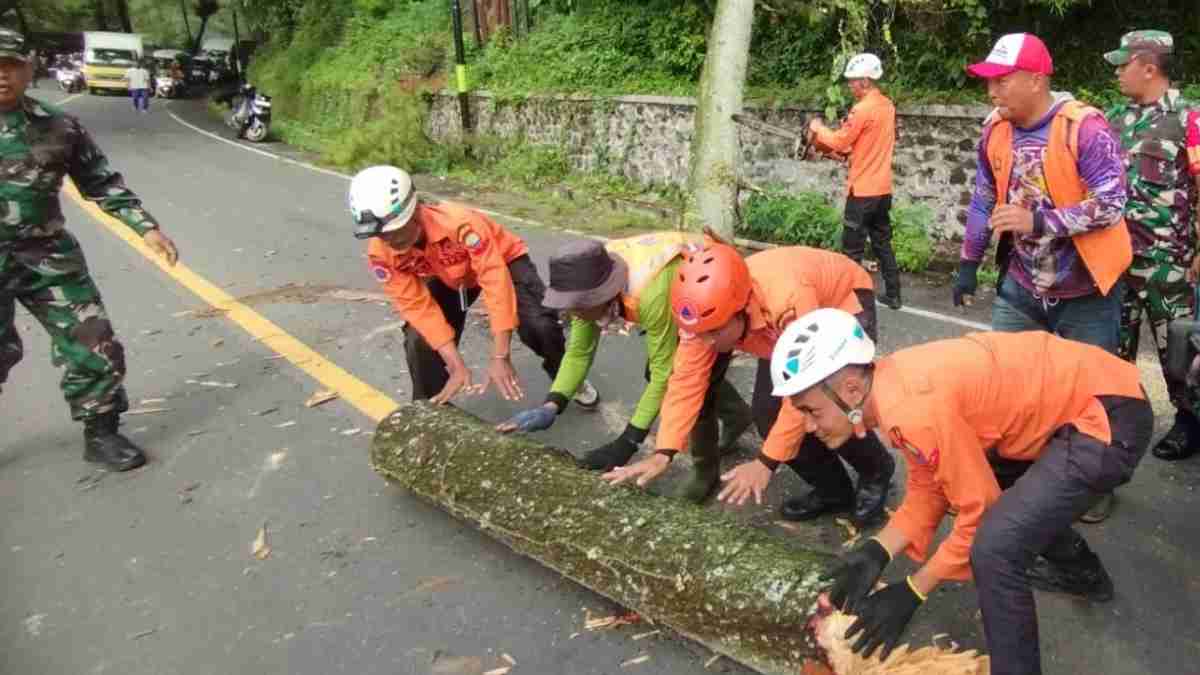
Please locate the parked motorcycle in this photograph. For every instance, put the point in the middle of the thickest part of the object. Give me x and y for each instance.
(250, 115)
(69, 80)
(168, 87)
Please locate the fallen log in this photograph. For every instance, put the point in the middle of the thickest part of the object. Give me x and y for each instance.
(739, 591)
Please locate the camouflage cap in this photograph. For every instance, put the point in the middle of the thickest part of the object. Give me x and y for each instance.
(1153, 41)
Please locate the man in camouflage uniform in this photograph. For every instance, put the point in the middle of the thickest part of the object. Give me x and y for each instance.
(42, 265)
(1163, 185)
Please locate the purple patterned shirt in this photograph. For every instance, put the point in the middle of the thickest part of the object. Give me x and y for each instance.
(1045, 261)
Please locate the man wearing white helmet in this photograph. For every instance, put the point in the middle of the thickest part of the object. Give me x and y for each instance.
(868, 135)
(434, 259)
(1015, 432)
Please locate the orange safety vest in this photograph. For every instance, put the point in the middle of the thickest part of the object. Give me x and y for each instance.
(1107, 252)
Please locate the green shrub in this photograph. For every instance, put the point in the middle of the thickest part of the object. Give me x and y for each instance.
(805, 219)
(910, 236)
(396, 136)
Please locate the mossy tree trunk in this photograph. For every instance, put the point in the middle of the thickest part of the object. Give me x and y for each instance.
(736, 589)
(715, 154)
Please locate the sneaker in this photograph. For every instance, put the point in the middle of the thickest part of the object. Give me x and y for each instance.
(587, 396)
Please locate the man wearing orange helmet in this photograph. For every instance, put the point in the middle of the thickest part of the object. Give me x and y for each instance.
(723, 303)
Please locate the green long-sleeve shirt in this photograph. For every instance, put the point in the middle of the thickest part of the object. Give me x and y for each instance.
(654, 316)
(39, 146)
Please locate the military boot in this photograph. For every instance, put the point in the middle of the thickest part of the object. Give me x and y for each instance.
(735, 417)
(1182, 441)
(706, 462)
(104, 445)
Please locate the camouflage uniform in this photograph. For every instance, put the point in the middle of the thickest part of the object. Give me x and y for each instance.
(1160, 212)
(42, 265)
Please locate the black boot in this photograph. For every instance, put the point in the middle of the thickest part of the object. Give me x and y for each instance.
(706, 463)
(873, 491)
(735, 416)
(832, 491)
(1071, 567)
(104, 445)
(1182, 441)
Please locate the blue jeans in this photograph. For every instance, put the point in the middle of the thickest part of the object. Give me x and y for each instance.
(141, 99)
(1094, 319)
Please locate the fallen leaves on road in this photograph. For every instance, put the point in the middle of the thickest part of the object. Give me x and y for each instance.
(213, 383)
(633, 662)
(323, 396)
(607, 622)
(268, 411)
(458, 665)
(350, 432)
(434, 584)
(143, 634)
(259, 548)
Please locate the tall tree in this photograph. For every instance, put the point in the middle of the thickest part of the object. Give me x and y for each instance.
(204, 9)
(715, 154)
(186, 24)
(123, 15)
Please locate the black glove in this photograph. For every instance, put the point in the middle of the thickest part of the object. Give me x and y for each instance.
(856, 574)
(967, 281)
(616, 452)
(882, 618)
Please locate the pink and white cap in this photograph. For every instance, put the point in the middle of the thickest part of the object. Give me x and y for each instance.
(1013, 52)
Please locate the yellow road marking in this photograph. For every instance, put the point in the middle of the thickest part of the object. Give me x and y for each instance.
(369, 400)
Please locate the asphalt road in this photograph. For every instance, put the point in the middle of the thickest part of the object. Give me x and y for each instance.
(151, 571)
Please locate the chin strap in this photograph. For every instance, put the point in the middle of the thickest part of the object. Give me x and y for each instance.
(855, 413)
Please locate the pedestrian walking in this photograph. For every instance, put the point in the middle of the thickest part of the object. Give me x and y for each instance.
(42, 265)
(868, 135)
(139, 86)
(434, 259)
(1016, 463)
(1163, 186)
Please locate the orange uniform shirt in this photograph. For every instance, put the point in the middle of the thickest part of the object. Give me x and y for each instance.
(464, 249)
(869, 135)
(945, 404)
(787, 284)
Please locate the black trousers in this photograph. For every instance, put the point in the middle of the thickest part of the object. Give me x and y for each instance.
(819, 467)
(539, 328)
(1033, 517)
(870, 217)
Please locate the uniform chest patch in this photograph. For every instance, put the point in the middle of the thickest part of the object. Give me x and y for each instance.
(929, 458)
(475, 244)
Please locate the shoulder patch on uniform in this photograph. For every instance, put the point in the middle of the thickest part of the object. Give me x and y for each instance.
(382, 273)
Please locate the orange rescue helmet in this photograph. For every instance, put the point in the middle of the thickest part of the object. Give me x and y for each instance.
(711, 286)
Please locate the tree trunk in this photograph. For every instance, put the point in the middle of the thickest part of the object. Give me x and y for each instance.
(186, 24)
(101, 14)
(715, 154)
(123, 15)
(200, 35)
(738, 590)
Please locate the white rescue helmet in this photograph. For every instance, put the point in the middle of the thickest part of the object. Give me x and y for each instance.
(382, 199)
(816, 346)
(864, 65)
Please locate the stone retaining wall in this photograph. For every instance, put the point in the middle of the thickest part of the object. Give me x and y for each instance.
(647, 139)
